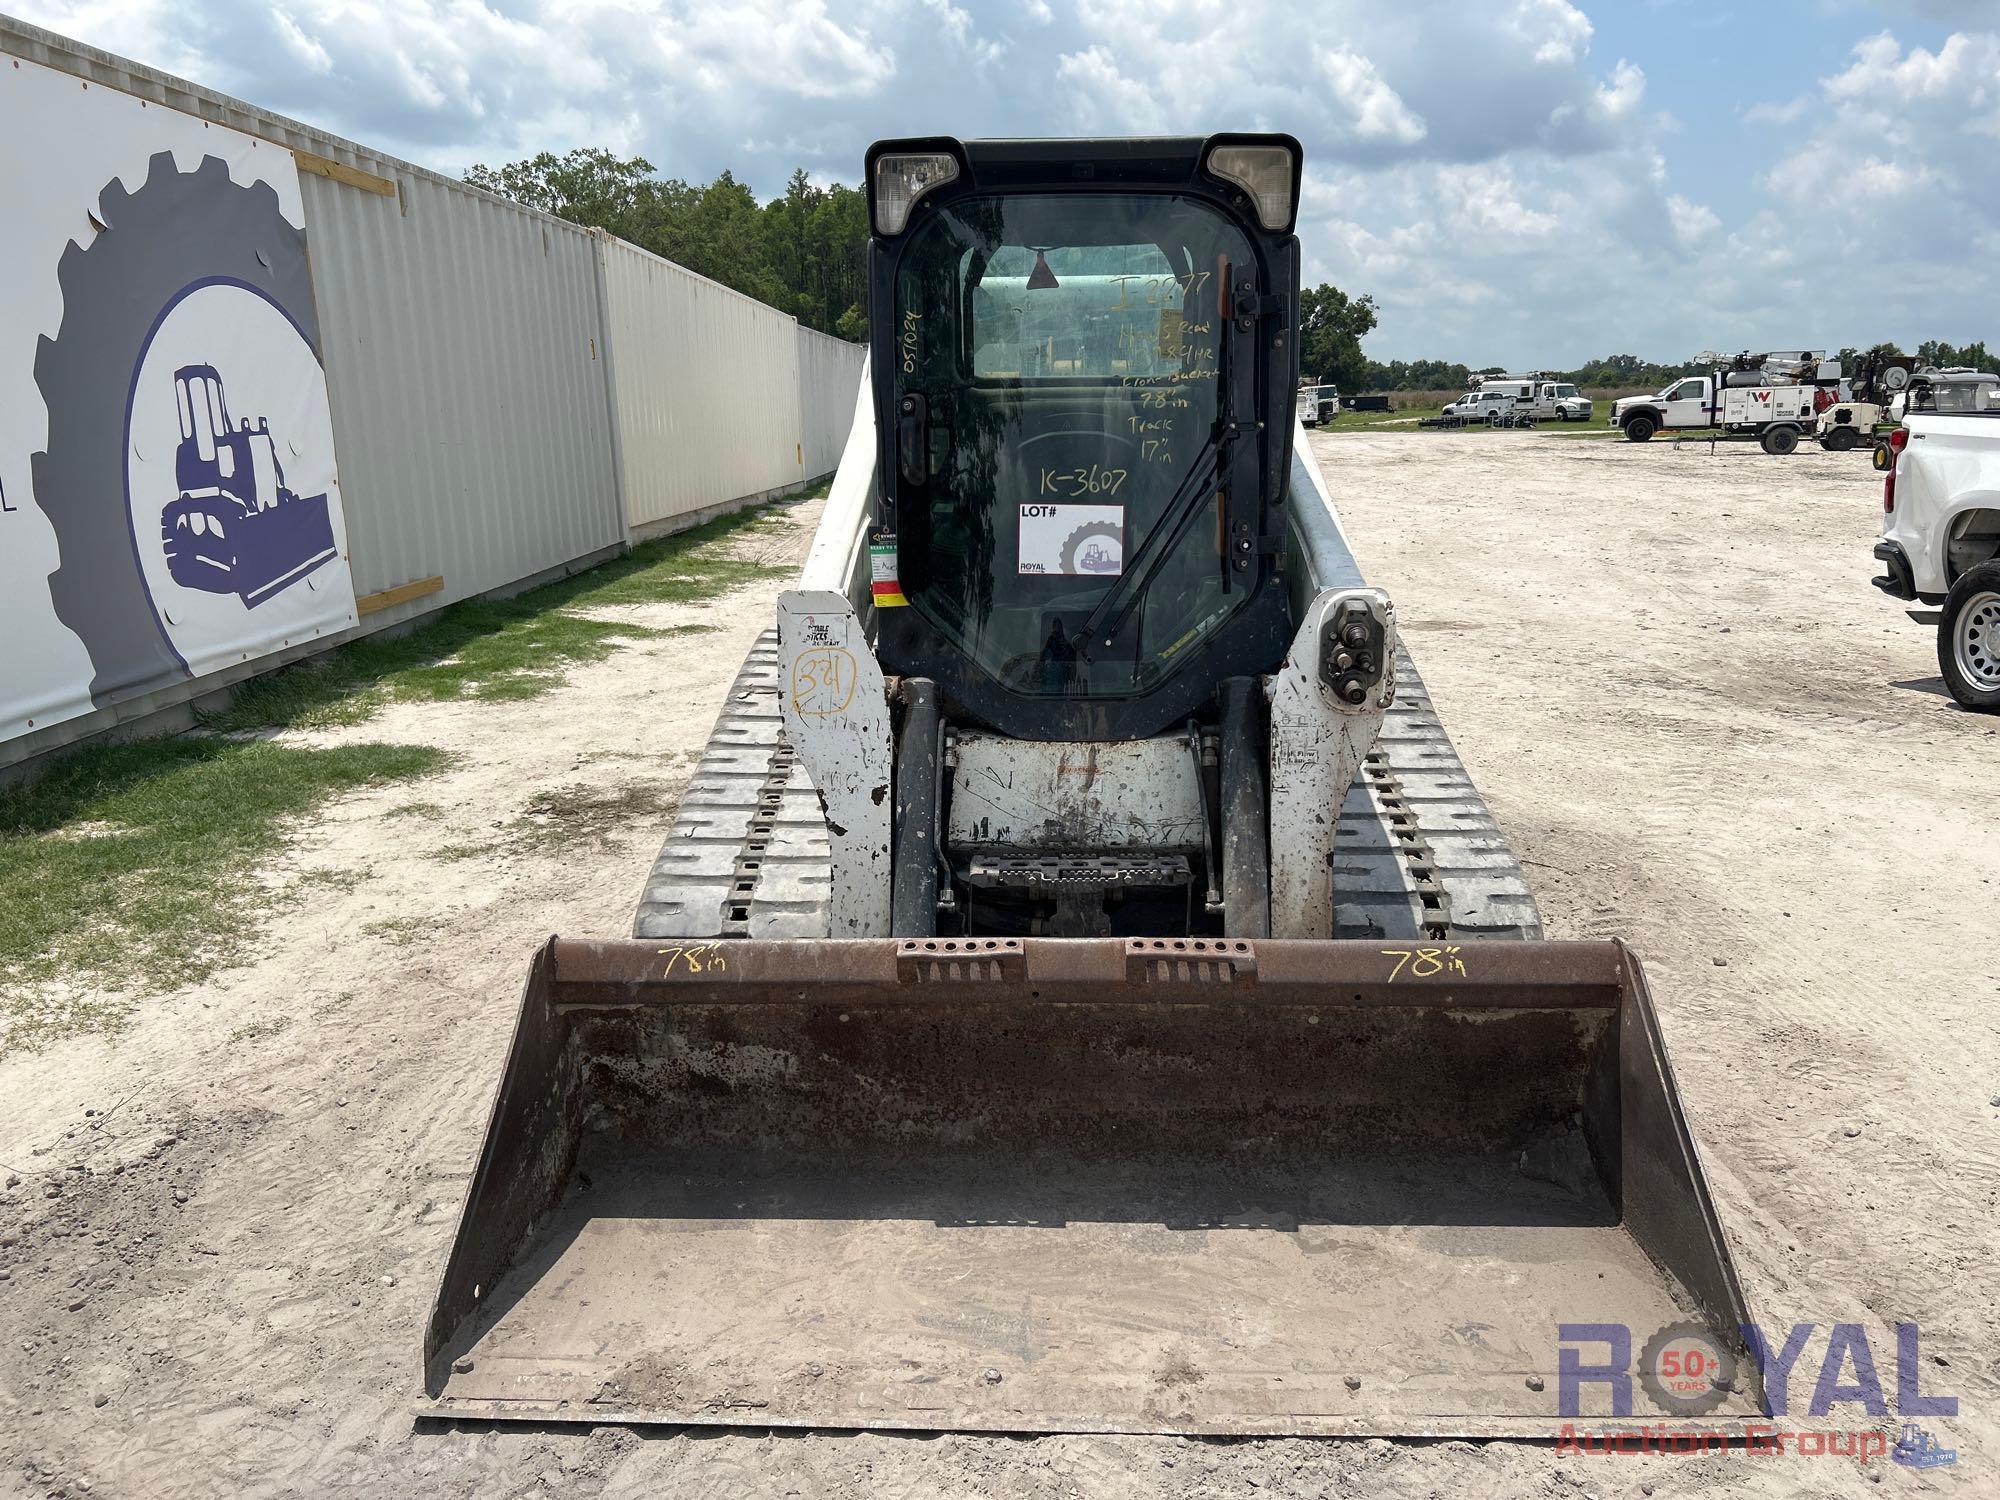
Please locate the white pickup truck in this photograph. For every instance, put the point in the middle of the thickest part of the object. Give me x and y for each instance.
(1940, 540)
(1776, 415)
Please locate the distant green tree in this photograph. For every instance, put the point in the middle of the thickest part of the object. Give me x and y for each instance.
(1851, 358)
(1331, 327)
(1418, 375)
(1946, 356)
(805, 252)
(1628, 370)
(587, 186)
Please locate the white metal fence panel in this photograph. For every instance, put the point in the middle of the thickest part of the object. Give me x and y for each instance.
(707, 389)
(829, 375)
(510, 394)
(465, 364)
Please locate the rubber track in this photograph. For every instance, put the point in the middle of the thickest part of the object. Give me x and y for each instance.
(747, 853)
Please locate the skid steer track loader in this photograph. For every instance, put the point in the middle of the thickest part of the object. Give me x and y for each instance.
(1081, 990)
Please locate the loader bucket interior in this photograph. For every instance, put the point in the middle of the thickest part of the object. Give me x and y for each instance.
(1132, 1185)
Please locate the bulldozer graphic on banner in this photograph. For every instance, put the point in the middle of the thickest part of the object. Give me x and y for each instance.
(235, 527)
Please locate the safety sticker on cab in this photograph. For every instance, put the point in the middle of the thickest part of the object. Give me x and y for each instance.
(888, 584)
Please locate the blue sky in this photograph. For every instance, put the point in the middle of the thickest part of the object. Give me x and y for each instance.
(1517, 182)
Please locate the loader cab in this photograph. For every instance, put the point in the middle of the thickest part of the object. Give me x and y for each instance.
(1084, 374)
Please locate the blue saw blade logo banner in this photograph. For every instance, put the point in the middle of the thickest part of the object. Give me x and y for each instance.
(189, 472)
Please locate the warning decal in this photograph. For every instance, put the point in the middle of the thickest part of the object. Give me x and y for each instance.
(884, 581)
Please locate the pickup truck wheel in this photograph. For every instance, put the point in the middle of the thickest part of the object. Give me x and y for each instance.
(1779, 440)
(1969, 638)
(1640, 429)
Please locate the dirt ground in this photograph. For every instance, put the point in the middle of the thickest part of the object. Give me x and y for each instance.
(1702, 729)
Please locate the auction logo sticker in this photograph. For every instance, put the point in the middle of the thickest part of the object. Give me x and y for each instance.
(1686, 1370)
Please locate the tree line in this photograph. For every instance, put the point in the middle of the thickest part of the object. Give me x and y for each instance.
(805, 252)
(1332, 325)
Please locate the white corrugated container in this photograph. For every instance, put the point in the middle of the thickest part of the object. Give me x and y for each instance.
(513, 396)
(707, 384)
(465, 367)
(829, 375)
(462, 340)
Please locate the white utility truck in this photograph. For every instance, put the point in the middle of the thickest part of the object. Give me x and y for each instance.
(1560, 401)
(1940, 540)
(1775, 398)
(1541, 396)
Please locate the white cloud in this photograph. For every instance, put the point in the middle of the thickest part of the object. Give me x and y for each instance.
(1556, 31)
(1898, 147)
(1693, 222)
(1618, 99)
(1451, 151)
(311, 55)
(1378, 113)
(1104, 97)
(957, 24)
(1788, 113)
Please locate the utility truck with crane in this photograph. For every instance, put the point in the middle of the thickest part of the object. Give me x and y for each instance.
(1081, 990)
(1774, 398)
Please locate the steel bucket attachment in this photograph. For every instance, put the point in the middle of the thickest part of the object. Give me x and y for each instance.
(1075, 1185)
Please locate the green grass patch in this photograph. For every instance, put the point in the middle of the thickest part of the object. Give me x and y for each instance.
(502, 650)
(1361, 421)
(400, 932)
(130, 867)
(256, 1031)
(558, 819)
(454, 853)
(429, 811)
(1407, 419)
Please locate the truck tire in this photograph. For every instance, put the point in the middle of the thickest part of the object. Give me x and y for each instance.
(1968, 642)
(1842, 440)
(1640, 429)
(1779, 440)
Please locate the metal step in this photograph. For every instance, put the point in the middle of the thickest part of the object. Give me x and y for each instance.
(747, 853)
